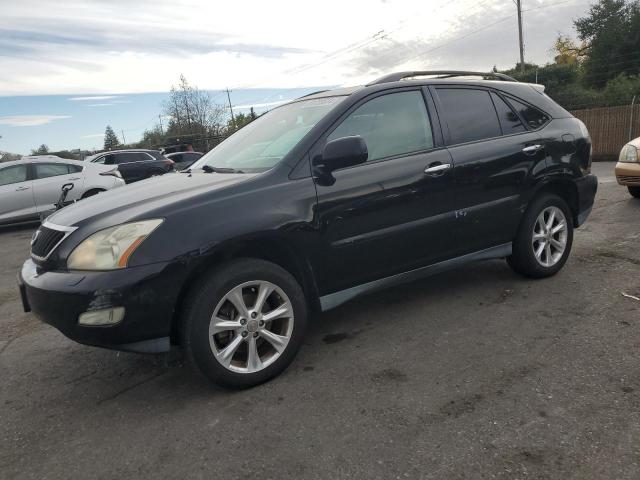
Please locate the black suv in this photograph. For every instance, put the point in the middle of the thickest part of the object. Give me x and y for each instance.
(135, 165)
(331, 196)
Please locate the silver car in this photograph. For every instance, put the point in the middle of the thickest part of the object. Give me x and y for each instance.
(29, 187)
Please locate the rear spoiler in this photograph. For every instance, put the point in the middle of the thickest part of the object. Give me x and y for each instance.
(537, 87)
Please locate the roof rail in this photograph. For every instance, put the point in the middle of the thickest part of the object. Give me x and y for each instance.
(394, 77)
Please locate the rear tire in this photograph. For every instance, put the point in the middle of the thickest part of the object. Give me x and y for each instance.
(544, 238)
(240, 345)
(634, 191)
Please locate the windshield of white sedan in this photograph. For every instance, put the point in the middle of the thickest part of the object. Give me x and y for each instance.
(261, 144)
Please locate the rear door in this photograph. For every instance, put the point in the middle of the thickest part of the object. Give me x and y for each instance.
(387, 215)
(495, 156)
(16, 194)
(48, 179)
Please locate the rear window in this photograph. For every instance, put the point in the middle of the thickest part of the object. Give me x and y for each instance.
(469, 113)
(533, 117)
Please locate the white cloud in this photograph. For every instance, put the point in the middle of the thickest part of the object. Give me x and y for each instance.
(93, 135)
(30, 120)
(99, 47)
(92, 98)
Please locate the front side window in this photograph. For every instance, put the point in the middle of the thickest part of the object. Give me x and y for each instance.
(534, 117)
(131, 157)
(391, 125)
(469, 114)
(261, 144)
(46, 170)
(15, 174)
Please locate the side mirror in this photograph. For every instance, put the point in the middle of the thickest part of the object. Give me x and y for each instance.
(344, 152)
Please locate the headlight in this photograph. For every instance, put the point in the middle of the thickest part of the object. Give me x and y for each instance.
(111, 248)
(628, 154)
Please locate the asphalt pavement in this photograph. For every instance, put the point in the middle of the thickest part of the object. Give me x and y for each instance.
(475, 373)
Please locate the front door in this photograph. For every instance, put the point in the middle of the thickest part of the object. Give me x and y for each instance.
(387, 215)
(16, 194)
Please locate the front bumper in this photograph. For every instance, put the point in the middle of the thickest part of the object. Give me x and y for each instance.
(148, 294)
(628, 174)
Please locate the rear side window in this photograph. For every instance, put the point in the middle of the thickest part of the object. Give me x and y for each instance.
(46, 170)
(509, 121)
(531, 115)
(74, 168)
(14, 174)
(392, 124)
(131, 157)
(469, 114)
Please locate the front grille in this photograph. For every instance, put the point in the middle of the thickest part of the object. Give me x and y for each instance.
(45, 240)
(634, 179)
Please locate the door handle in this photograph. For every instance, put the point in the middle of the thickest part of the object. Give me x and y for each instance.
(74, 178)
(437, 169)
(19, 189)
(531, 149)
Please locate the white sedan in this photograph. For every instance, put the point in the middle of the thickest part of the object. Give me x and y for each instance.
(29, 187)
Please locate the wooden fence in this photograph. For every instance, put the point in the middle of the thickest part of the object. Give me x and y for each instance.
(609, 128)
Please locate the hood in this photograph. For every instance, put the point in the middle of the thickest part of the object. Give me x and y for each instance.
(150, 196)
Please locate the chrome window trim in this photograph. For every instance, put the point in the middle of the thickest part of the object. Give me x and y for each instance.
(60, 228)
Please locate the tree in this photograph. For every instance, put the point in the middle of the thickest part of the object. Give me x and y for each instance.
(110, 139)
(41, 150)
(192, 111)
(568, 52)
(153, 138)
(611, 30)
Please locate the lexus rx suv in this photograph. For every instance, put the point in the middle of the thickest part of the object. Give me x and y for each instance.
(333, 195)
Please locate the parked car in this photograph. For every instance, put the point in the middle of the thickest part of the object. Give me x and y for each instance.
(135, 165)
(29, 187)
(183, 160)
(628, 167)
(328, 197)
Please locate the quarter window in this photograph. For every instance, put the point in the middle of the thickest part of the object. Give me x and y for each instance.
(14, 174)
(469, 114)
(531, 115)
(46, 170)
(391, 125)
(509, 121)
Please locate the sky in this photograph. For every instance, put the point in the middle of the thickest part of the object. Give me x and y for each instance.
(69, 70)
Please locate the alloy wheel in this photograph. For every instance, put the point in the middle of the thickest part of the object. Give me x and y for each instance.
(251, 326)
(549, 239)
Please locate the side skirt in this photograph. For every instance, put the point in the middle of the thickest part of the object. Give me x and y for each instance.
(327, 302)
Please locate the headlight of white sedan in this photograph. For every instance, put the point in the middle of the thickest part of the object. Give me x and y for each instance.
(111, 248)
(628, 154)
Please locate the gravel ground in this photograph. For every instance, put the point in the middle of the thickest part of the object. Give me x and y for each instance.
(476, 373)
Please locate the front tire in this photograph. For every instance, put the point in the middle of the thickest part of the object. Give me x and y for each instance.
(544, 238)
(634, 191)
(244, 323)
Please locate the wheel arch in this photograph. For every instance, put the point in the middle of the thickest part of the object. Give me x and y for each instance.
(566, 189)
(271, 248)
(92, 189)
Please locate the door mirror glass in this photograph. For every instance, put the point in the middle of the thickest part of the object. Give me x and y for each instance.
(344, 152)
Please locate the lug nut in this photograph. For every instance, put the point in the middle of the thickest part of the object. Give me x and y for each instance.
(261, 323)
(254, 314)
(243, 321)
(244, 334)
(255, 335)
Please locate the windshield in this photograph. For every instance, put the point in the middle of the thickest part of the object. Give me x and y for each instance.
(261, 144)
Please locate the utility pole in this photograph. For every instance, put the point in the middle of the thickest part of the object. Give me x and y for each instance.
(233, 120)
(160, 118)
(124, 140)
(519, 5)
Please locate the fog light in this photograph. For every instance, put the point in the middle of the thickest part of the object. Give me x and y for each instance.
(108, 316)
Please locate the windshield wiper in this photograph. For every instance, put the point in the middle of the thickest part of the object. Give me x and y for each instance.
(209, 169)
